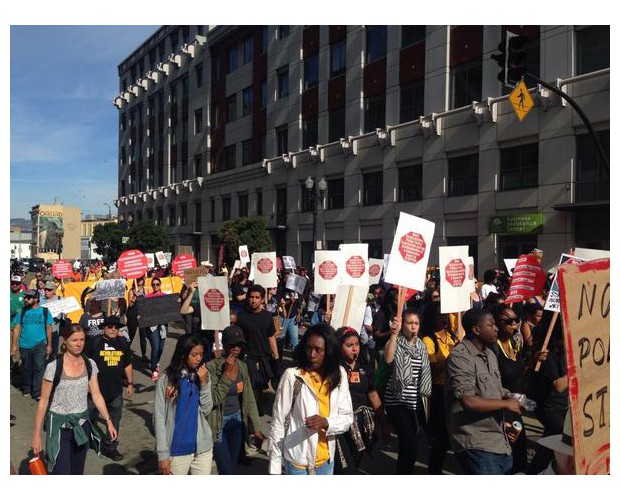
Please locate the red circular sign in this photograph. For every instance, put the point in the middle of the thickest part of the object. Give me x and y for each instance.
(355, 266)
(264, 265)
(214, 300)
(328, 269)
(62, 269)
(132, 264)
(244, 254)
(455, 273)
(412, 247)
(182, 262)
(374, 270)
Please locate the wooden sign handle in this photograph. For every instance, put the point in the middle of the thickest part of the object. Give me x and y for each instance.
(347, 307)
(109, 309)
(547, 337)
(328, 308)
(402, 292)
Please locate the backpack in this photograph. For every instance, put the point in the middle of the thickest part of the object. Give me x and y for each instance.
(46, 313)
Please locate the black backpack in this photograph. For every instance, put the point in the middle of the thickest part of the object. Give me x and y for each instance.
(46, 313)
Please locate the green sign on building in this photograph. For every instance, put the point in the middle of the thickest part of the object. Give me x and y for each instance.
(516, 224)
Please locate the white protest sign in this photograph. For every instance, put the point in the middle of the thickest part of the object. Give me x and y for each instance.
(553, 299)
(251, 275)
(244, 254)
(161, 259)
(288, 262)
(236, 265)
(296, 283)
(349, 306)
(355, 264)
(214, 306)
(510, 265)
(375, 268)
(150, 257)
(410, 251)
(453, 273)
(264, 266)
(591, 254)
(327, 271)
(110, 289)
(386, 261)
(66, 306)
(471, 277)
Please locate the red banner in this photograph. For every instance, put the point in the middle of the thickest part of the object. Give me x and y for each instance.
(182, 262)
(62, 269)
(528, 279)
(132, 264)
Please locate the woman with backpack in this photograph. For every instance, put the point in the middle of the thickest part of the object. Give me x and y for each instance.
(64, 407)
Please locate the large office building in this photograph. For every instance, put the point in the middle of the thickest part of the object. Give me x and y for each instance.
(329, 132)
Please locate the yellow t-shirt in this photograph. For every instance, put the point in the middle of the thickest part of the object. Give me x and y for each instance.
(322, 391)
(438, 359)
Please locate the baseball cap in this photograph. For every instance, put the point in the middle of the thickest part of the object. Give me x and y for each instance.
(206, 263)
(562, 443)
(112, 321)
(31, 293)
(232, 335)
(50, 285)
(16, 279)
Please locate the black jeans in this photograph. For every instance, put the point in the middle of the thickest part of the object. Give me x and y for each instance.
(405, 422)
(71, 458)
(115, 409)
(440, 439)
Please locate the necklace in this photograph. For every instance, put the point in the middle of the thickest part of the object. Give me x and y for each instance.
(507, 349)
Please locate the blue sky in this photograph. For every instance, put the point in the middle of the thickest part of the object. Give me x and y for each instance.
(64, 135)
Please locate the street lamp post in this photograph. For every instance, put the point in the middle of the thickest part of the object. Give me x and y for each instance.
(316, 195)
(109, 212)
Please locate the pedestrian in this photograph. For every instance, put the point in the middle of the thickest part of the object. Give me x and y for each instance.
(156, 334)
(136, 292)
(91, 321)
(476, 400)
(234, 411)
(59, 319)
(182, 402)
(112, 356)
(311, 407)
(63, 406)
(490, 284)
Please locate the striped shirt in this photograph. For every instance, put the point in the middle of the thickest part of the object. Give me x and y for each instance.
(410, 393)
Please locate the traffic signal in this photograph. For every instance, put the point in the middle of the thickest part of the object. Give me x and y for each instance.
(516, 59)
(501, 61)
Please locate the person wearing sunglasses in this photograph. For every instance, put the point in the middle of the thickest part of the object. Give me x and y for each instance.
(156, 334)
(112, 355)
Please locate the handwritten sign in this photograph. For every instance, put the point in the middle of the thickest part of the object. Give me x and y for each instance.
(110, 289)
(528, 279)
(66, 305)
(553, 299)
(159, 310)
(453, 272)
(585, 303)
(190, 275)
(214, 304)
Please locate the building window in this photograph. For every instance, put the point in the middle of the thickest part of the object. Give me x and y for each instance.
(592, 177)
(283, 87)
(183, 218)
(336, 124)
(411, 34)
(232, 59)
(259, 202)
(335, 193)
(338, 58)
(281, 140)
(592, 49)
(197, 216)
(470, 241)
(283, 31)
(264, 98)
(246, 152)
(248, 101)
(373, 188)
(248, 49)
(172, 215)
(264, 39)
(519, 167)
(159, 219)
(123, 120)
(311, 71)
(226, 208)
(217, 115)
(197, 121)
(184, 168)
(463, 175)
(281, 206)
(230, 157)
(466, 83)
(376, 42)
(198, 72)
(307, 198)
(198, 165)
(243, 204)
(374, 113)
(375, 248)
(215, 68)
(231, 108)
(262, 146)
(212, 211)
(411, 101)
(410, 183)
(311, 132)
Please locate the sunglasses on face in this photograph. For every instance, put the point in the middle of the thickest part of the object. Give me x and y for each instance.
(112, 327)
(510, 321)
(156, 284)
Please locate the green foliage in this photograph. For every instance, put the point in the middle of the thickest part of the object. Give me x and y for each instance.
(109, 241)
(147, 237)
(250, 231)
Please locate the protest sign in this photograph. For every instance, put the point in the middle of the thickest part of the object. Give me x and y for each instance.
(159, 310)
(214, 304)
(355, 264)
(553, 299)
(510, 265)
(590, 253)
(132, 264)
(244, 254)
(375, 268)
(528, 279)
(110, 289)
(455, 285)
(296, 283)
(288, 262)
(349, 306)
(410, 252)
(66, 306)
(327, 271)
(162, 259)
(264, 265)
(471, 276)
(191, 274)
(150, 257)
(62, 269)
(585, 304)
(181, 263)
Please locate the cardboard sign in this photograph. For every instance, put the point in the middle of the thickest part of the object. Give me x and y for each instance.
(110, 289)
(410, 252)
(585, 303)
(296, 283)
(62, 269)
(354, 264)
(159, 310)
(591, 254)
(327, 271)
(349, 307)
(288, 262)
(150, 257)
(132, 264)
(528, 279)
(244, 254)
(454, 276)
(66, 305)
(214, 304)
(192, 274)
(264, 265)
(375, 268)
(553, 299)
(161, 259)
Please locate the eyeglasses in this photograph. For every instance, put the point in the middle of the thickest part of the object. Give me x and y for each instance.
(510, 321)
(28, 298)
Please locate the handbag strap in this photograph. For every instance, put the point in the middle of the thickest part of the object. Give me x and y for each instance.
(296, 391)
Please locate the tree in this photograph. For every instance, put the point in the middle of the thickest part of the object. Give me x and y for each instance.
(250, 231)
(108, 239)
(148, 237)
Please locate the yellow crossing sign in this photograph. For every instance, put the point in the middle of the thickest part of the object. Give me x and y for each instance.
(521, 100)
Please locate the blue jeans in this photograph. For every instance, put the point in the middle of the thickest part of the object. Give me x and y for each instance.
(484, 462)
(157, 345)
(227, 449)
(290, 331)
(327, 469)
(33, 366)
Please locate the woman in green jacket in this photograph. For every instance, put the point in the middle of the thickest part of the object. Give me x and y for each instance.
(234, 406)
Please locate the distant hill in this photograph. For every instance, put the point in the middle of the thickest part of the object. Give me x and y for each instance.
(24, 224)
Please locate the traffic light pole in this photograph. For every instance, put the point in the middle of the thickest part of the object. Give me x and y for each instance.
(583, 116)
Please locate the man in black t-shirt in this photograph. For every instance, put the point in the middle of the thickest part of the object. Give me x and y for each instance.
(112, 354)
